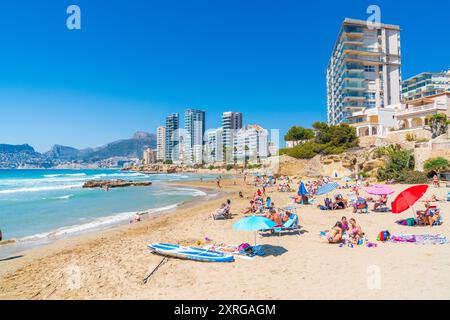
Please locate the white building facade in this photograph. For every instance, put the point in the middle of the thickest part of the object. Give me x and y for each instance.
(213, 151)
(161, 143)
(250, 143)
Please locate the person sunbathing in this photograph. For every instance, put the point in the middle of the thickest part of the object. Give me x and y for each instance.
(219, 213)
(380, 203)
(431, 215)
(251, 209)
(335, 234)
(432, 199)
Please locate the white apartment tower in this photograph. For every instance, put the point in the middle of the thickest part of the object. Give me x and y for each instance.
(161, 143)
(364, 70)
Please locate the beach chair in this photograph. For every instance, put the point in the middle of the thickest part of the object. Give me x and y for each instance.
(291, 225)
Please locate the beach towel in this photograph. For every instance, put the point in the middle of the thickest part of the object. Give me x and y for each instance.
(407, 222)
(420, 239)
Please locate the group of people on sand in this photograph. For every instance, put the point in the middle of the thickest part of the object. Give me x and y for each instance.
(346, 231)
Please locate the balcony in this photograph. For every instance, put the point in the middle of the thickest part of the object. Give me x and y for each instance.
(421, 110)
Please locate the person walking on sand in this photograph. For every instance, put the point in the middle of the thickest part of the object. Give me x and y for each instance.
(218, 183)
(436, 181)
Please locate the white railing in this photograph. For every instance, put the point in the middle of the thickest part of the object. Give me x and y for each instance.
(427, 107)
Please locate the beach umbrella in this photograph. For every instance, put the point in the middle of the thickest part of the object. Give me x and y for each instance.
(408, 197)
(327, 188)
(302, 189)
(379, 190)
(347, 179)
(254, 223)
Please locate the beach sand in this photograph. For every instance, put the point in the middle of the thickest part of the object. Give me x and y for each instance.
(112, 264)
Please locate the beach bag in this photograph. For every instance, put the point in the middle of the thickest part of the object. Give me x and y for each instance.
(243, 246)
(383, 236)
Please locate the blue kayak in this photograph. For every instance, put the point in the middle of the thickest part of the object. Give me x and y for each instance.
(190, 253)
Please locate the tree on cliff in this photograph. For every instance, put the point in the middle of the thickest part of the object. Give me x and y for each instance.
(437, 124)
(437, 165)
(297, 134)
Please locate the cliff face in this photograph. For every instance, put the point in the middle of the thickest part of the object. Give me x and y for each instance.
(348, 163)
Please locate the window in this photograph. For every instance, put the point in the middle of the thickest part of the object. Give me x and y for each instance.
(370, 95)
(369, 68)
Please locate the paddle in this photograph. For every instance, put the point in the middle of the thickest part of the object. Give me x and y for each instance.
(156, 268)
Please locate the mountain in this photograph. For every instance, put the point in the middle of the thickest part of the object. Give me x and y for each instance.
(63, 153)
(131, 148)
(10, 148)
(22, 156)
(14, 156)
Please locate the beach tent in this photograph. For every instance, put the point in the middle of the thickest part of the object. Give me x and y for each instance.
(347, 179)
(254, 223)
(408, 197)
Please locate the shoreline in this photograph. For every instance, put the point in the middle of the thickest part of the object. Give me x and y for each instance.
(14, 246)
(112, 263)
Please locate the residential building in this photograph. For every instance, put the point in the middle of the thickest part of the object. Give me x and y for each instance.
(172, 136)
(195, 126)
(413, 114)
(425, 84)
(364, 70)
(231, 122)
(150, 156)
(213, 145)
(373, 121)
(161, 143)
(251, 143)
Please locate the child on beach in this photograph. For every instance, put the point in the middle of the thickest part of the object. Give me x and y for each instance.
(344, 224)
(356, 232)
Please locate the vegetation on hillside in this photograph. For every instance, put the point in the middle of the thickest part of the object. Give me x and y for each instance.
(399, 165)
(436, 165)
(322, 139)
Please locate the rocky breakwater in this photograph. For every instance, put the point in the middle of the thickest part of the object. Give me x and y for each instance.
(106, 184)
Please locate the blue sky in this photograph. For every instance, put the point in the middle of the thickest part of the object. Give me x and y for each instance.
(134, 62)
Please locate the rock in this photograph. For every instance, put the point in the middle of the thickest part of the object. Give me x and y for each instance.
(115, 184)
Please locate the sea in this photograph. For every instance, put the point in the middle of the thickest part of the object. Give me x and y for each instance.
(41, 205)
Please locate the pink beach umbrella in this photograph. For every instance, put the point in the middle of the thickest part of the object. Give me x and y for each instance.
(379, 190)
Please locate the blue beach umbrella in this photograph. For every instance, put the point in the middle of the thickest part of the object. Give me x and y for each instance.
(254, 223)
(347, 179)
(302, 190)
(327, 188)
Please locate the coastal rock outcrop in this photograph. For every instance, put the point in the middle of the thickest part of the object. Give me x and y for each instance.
(115, 184)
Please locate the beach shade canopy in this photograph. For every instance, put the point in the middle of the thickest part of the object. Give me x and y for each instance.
(408, 197)
(254, 223)
(379, 190)
(347, 179)
(302, 190)
(327, 188)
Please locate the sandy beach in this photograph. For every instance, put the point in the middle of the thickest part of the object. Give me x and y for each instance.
(112, 264)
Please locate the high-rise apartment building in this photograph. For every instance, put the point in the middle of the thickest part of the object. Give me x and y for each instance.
(231, 121)
(172, 136)
(213, 151)
(194, 122)
(251, 143)
(364, 70)
(425, 84)
(161, 143)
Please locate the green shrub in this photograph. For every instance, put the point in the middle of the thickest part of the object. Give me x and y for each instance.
(414, 177)
(229, 167)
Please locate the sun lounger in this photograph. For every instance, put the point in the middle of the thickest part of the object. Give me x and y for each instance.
(291, 225)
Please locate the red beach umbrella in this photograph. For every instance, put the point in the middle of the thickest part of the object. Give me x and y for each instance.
(408, 197)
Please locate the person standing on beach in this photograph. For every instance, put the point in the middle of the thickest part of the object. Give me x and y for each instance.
(436, 181)
(1, 236)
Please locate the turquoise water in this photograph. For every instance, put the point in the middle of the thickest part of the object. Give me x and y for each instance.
(37, 204)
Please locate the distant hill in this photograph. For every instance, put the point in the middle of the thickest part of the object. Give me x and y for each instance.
(21, 156)
(132, 148)
(13, 156)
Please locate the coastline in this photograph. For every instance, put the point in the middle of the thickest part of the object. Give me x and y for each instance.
(111, 264)
(14, 246)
